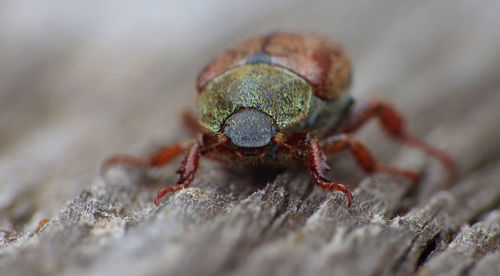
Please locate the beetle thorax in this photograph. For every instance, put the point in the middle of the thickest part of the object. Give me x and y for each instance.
(274, 91)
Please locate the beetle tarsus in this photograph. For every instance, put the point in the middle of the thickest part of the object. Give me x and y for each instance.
(186, 172)
(393, 123)
(122, 159)
(160, 158)
(411, 175)
(328, 185)
(319, 168)
(440, 155)
(363, 156)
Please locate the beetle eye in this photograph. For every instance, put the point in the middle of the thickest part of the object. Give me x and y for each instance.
(250, 128)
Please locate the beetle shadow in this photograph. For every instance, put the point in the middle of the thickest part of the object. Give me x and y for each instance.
(246, 180)
(255, 177)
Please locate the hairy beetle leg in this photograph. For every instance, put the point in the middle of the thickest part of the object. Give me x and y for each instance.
(160, 158)
(363, 156)
(186, 172)
(319, 168)
(328, 185)
(393, 124)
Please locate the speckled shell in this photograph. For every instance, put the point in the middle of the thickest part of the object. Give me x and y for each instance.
(276, 91)
(322, 63)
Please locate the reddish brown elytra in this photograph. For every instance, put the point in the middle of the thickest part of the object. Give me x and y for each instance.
(277, 99)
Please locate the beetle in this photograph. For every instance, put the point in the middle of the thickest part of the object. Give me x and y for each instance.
(277, 99)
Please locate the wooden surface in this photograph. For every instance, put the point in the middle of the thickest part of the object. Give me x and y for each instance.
(81, 81)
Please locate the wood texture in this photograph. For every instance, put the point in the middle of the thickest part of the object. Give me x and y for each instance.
(78, 86)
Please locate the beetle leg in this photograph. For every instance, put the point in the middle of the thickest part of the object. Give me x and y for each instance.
(186, 172)
(162, 157)
(316, 161)
(393, 124)
(362, 155)
(279, 140)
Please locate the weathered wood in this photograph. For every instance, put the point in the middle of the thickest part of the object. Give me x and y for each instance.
(439, 62)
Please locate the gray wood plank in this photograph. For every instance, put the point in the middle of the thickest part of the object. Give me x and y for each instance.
(110, 86)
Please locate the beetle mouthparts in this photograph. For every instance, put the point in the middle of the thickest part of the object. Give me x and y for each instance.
(250, 128)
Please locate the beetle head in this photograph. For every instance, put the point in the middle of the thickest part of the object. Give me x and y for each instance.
(250, 130)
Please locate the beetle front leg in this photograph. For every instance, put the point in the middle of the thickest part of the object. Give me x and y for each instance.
(362, 155)
(393, 123)
(186, 172)
(310, 151)
(160, 158)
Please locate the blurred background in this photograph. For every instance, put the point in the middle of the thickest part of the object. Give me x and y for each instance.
(80, 80)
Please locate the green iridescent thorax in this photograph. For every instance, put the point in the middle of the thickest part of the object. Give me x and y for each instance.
(276, 91)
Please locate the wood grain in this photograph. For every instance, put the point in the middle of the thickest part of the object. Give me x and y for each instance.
(72, 95)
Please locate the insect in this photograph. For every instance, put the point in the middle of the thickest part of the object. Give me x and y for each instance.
(276, 99)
